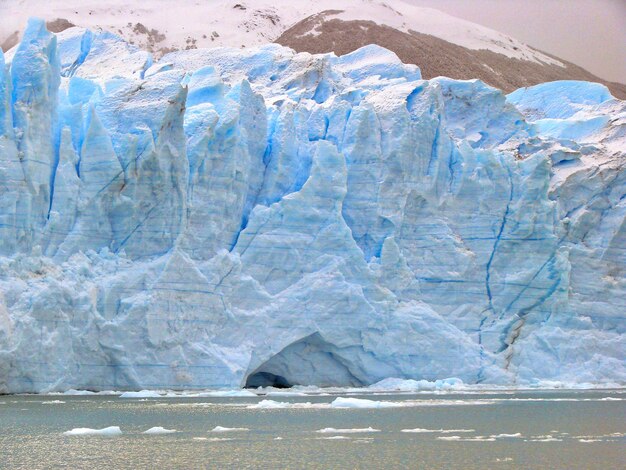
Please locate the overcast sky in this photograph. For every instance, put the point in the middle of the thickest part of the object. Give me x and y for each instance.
(590, 33)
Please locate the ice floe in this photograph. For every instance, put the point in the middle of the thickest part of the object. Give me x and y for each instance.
(159, 430)
(346, 431)
(341, 402)
(110, 431)
(441, 431)
(141, 394)
(506, 436)
(224, 429)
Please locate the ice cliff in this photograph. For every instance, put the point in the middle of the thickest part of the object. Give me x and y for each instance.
(223, 217)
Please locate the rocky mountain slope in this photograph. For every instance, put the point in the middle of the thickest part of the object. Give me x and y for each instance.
(327, 32)
(440, 44)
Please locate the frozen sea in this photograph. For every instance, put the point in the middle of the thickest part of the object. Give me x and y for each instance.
(344, 429)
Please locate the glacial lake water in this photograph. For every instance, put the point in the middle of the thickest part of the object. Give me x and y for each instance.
(522, 429)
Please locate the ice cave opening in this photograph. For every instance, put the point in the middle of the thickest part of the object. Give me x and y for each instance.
(308, 361)
(267, 379)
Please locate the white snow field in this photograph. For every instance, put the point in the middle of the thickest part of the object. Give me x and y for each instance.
(229, 217)
(233, 23)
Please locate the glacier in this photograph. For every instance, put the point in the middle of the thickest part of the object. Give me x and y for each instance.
(231, 217)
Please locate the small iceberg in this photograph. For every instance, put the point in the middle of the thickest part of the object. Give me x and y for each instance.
(273, 405)
(346, 431)
(110, 431)
(341, 402)
(466, 439)
(442, 431)
(159, 430)
(213, 439)
(506, 436)
(228, 393)
(409, 385)
(223, 429)
(141, 394)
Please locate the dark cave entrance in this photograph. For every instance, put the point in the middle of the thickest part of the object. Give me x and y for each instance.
(308, 361)
(267, 379)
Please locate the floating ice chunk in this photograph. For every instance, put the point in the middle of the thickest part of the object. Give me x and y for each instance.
(589, 440)
(506, 436)
(271, 404)
(52, 402)
(333, 438)
(212, 394)
(346, 431)
(466, 439)
(341, 402)
(285, 394)
(141, 394)
(73, 392)
(213, 439)
(442, 431)
(360, 403)
(402, 385)
(228, 393)
(159, 430)
(110, 431)
(224, 429)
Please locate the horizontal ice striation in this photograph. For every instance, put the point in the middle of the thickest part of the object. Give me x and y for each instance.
(229, 217)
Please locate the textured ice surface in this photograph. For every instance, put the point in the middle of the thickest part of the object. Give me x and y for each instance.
(228, 217)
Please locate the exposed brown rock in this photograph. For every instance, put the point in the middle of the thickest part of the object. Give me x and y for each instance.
(58, 25)
(434, 56)
(11, 41)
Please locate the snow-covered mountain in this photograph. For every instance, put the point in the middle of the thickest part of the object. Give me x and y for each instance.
(440, 44)
(222, 217)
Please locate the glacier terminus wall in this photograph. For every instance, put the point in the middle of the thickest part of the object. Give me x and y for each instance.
(225, 217)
